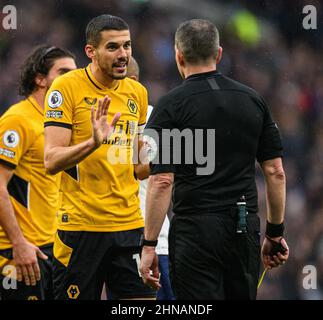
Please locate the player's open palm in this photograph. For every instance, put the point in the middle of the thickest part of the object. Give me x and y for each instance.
(25, 257)
(101, 129)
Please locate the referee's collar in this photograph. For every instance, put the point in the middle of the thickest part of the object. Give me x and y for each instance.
(202, 75)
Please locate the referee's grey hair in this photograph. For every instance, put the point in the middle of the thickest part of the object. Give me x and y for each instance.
(198, 40)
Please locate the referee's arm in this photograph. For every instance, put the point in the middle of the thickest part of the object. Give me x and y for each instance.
(157, 203)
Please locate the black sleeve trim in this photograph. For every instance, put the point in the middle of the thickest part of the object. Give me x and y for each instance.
(270, 157)
(8, 164)
(58, 124)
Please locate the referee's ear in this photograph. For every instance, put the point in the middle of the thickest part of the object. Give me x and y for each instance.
(219, 55)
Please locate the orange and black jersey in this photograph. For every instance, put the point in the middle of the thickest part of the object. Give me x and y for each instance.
(33, 193)
(100, 193)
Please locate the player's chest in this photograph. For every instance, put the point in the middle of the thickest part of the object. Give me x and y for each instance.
(127, 105)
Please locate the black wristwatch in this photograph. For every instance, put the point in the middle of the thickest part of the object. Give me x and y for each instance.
(148, 243)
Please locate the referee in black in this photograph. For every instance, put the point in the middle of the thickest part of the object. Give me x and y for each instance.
(214, 239)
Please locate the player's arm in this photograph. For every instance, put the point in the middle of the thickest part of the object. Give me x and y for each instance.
(59, 155)
(142, 168)
(24, 253)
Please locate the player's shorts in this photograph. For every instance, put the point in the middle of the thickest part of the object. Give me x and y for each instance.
(10, 289)
(83, 261)
(209, 260)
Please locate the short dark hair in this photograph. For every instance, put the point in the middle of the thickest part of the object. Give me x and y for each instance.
(101, 23)
(40, 61)
(198, 40)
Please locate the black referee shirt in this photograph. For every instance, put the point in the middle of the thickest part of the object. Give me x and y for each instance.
(243, 132)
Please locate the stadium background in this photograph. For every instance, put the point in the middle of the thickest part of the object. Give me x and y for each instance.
(265, 47)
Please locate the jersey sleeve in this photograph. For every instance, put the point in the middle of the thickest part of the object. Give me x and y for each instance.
(58, 105)
(143, 110)
(270, 144)
(16, 136)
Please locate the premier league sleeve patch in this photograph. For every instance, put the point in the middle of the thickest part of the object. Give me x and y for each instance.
(11, 138)
(55, 99)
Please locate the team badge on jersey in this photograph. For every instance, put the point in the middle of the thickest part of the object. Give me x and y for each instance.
(73, 291)
(55, 99)
(132, 106)
(11, 138)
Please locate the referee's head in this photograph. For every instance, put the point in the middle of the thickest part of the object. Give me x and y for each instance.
(197, 44)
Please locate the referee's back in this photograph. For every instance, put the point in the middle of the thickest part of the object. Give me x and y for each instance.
(243, 132)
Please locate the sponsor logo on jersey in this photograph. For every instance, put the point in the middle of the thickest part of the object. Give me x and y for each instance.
(11, 138)
(55, 99)
(90, 101)
(7, 153)
(54, 114)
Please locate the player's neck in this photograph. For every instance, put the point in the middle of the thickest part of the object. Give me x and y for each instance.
(39, 96)
(190, 69)
(101, 78)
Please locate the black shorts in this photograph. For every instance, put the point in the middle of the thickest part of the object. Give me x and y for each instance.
(43, 290)
(83, 261)
(209, 260)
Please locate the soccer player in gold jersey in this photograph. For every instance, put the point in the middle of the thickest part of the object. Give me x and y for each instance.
(28, 196)
(93, 117)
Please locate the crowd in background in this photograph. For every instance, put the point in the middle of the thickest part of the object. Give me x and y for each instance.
(265, 47)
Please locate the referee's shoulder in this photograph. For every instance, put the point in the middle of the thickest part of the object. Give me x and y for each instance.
(234, 85)
(173, 96)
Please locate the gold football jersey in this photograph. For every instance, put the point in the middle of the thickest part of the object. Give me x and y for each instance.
(33, 193)
(101, 192)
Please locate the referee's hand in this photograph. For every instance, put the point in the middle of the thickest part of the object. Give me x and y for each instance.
(25, 258)
(149, 267)
(271, 260)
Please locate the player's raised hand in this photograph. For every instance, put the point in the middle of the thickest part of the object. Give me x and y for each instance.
(101, 129)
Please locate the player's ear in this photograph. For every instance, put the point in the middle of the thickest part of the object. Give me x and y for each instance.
(219, 55)
(41, 81)
(90, 51)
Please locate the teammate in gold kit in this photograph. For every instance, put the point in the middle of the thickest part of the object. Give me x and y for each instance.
(28, 196)
(93, 117)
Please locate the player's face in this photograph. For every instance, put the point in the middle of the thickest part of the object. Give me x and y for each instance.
(113, 53)
(61, 66)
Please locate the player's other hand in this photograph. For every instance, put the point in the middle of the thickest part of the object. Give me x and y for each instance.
(25, 258)
(149, 267)
(101, 129)
(274, 252)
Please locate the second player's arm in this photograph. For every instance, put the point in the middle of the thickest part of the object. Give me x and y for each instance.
(24, 253)
(142, 169)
